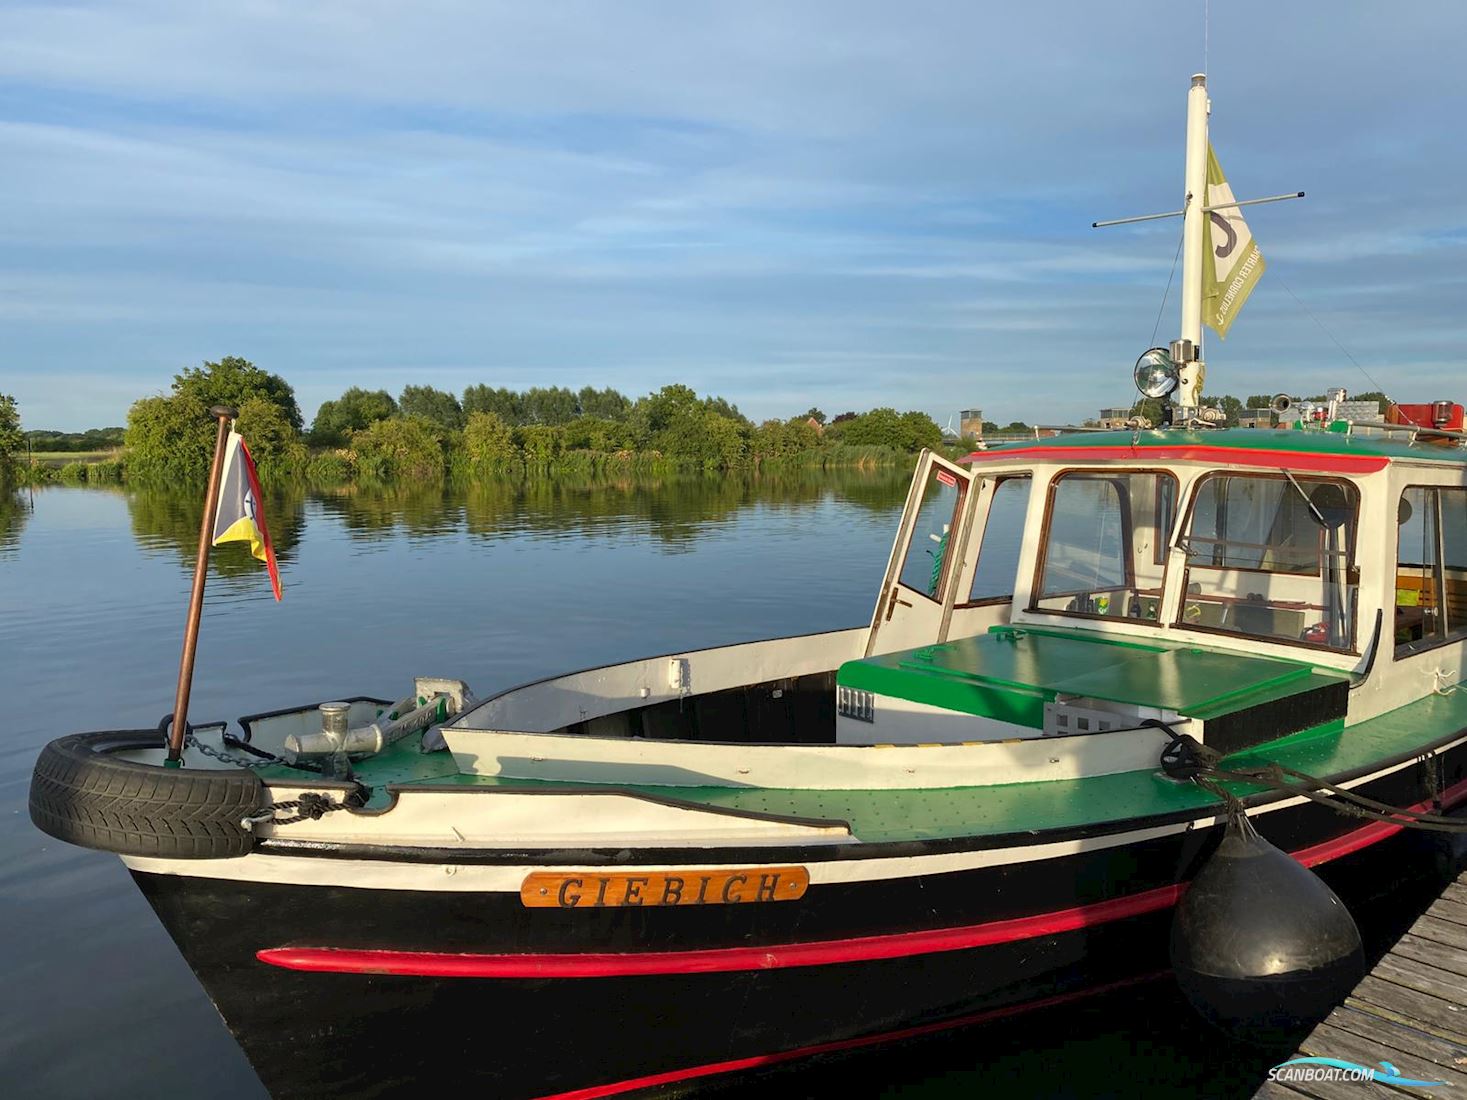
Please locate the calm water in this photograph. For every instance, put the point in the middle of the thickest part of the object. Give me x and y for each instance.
(496, 585)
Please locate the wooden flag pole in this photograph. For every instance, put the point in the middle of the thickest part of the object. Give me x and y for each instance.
(224, 415)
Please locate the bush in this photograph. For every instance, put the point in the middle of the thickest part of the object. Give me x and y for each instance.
(352, 411)
(99, 472)
(330, 467)
(488, 443)
(169, 439)
(541, 443)
(73, 473)
(407, 447)
(273, 442)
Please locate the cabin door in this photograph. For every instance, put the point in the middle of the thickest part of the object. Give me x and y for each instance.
(916, 598)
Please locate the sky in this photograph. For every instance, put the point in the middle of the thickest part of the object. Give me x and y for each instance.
(840, 204)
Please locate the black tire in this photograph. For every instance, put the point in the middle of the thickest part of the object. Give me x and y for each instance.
(82, 794)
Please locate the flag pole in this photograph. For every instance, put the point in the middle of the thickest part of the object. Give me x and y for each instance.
(224, 415)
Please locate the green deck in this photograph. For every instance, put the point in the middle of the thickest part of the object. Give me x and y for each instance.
(876, 816)
(1011, 672)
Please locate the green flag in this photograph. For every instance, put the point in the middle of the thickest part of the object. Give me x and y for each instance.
(1231, 262)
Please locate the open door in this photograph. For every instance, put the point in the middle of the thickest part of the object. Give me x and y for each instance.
(916, 596)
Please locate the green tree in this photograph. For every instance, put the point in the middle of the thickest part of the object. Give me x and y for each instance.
(12, 439)
(605, 404)
(918, 431)
(352, 411)
(815, 415)
(541, 444)
(169, 439)
(1259, 400)
(489, 442)
(274, 444)
(434, 405)
(878, 428)
(722, 407)
(231, 381)
(555, 405)
(505, 404)
(406, 448)
(593, 433)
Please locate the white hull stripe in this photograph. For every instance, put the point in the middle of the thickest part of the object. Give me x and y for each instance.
(479, 878)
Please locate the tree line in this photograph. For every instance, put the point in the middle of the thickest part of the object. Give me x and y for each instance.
(428, 433)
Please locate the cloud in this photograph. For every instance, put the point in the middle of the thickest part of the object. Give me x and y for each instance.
(832, 203)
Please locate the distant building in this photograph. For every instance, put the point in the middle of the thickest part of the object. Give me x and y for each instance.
(1114, 418)
(970, 424)
(1255, 418)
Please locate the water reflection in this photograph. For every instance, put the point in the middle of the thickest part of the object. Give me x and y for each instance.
(15, 509)
(169, 521)
(676, 511)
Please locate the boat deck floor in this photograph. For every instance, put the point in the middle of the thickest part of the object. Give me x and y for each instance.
(898, 815)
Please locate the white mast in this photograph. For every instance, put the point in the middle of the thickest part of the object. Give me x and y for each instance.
(1187, 351)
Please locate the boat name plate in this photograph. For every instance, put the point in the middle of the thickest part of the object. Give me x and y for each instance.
(713, 886)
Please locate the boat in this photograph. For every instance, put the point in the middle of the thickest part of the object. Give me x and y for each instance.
(1091, 655)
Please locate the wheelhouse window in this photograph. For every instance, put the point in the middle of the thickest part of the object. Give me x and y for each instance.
(1431, 568)
(1101, 535)
(927, 564)
(1272, 556)
(1003, 541)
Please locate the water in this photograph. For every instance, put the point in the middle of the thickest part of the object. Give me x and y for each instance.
(497, 585)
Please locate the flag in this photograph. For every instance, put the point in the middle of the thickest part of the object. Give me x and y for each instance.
(1231, 262)
(241, 516)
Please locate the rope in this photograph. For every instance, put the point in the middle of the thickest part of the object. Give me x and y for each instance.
(1186, 758)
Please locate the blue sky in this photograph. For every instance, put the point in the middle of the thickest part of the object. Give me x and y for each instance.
(842, 204)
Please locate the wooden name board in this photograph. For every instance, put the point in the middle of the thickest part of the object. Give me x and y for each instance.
(598, 890)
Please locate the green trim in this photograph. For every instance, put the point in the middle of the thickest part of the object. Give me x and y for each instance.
(1248, 439)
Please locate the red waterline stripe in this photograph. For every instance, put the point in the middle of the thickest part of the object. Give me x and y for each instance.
(712, 1068)
(432, 964)
(1201, 452)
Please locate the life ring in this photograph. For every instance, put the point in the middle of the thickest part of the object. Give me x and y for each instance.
(83, 793)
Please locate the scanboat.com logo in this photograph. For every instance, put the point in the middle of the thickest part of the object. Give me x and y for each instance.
(1335, 1069)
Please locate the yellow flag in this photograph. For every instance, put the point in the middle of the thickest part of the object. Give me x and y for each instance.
(1231, 262)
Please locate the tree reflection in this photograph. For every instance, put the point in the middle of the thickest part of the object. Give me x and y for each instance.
(676, 510)
(169, 521)
(15, 509)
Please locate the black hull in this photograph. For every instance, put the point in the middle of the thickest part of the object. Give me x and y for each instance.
(372, 1034)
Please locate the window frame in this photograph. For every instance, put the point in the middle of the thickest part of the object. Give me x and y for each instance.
(1036, 587)
(964, 486)
(989, 601)
(1415, 649)
(1352, 569)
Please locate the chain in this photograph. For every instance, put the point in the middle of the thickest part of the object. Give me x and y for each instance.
(266, 759)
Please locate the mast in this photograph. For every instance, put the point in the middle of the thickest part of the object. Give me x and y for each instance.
(1187, 351)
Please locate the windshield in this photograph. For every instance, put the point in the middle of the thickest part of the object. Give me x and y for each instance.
(1272, 555)
(1104, 550)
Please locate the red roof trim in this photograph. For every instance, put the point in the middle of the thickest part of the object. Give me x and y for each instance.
(432, 964)
(1198, 452)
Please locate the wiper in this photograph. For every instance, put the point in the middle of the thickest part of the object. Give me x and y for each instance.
(1318, 516)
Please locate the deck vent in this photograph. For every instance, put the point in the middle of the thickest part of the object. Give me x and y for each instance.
(1062, 719)
(855, 703)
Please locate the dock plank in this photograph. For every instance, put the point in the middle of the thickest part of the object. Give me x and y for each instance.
(1328, 1041)
(1410, 1011)
(1452, 960)
(1449, 1057)
(1395, 1002)
(1432, 927)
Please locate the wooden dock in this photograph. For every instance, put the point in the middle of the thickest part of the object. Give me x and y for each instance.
(1410, 1011)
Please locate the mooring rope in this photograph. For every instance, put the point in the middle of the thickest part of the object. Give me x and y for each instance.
(1184, 757)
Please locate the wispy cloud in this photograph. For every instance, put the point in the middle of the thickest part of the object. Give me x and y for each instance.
(834, 204)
